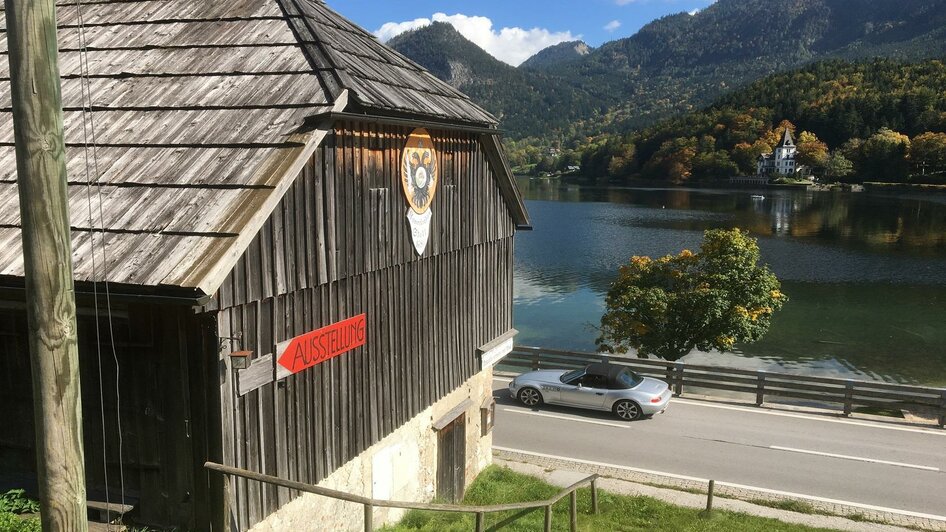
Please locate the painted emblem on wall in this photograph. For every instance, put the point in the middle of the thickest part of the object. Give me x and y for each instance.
(419, 178)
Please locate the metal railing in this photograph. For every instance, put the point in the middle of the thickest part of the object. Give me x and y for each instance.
(478, 511)
(849, 393)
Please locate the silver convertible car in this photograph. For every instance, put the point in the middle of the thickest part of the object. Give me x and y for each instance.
(598, 387)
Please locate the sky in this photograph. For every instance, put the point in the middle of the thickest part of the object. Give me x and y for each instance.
(514, 30)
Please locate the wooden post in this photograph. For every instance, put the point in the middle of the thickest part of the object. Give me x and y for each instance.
(228, 525)
(942, 411)
(548, 518)
(573, 511)
(47, 255)
(760, 390)
(594, 496)
(678, 389)
(848, 398)
(709, 497)
(479, 521)
(369, 518)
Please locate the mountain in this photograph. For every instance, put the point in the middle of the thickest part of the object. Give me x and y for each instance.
(680, 62)
(526, 102)
(558, 55)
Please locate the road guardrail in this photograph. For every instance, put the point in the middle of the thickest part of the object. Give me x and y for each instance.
(848, 393)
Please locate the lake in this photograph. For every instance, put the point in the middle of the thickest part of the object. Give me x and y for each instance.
(866, 273)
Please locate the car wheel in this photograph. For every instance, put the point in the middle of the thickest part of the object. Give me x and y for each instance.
(530, 397)
(628, 410)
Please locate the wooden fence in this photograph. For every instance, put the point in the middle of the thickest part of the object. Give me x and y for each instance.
(479, 512)
(849, 393)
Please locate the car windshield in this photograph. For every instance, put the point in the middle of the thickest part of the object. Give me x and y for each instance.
(627, 379)
(571, 375)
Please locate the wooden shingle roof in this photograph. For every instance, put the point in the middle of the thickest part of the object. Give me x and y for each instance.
(202, 115)
(198, 110)
(378, 77)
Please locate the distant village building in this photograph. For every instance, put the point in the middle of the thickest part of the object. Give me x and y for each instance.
(308, 245)
(782, 160)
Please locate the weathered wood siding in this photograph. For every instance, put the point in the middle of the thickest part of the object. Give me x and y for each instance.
(154, 347)
(339, 245)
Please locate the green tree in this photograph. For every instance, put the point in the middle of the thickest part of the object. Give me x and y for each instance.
(545, 164)
(714, 165)
(623, 161)
(884, 156)
(838, 166)
(707, 300)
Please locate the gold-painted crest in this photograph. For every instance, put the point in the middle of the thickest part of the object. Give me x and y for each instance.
(419, 172)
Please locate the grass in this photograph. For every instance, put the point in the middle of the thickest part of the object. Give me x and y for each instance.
(497, 485)
(790, 505)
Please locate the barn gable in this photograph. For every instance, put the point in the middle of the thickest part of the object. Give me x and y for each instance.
(247, 172)
(202, 115)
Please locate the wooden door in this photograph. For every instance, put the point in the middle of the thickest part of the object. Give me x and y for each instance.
(451, 460)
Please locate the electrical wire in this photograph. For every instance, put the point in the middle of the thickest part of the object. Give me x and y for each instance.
(88, 130)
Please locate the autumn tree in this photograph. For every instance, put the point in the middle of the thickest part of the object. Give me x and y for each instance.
(774, 136)
(746, 155)
(811, 151)
(673, 161)
(707, 300)
(623, 161)
(928, 153)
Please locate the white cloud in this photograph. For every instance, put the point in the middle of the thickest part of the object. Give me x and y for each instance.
(510, 45)
(389, 30)
(613, 25)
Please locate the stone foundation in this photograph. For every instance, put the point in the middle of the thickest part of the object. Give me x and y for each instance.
(401, 467)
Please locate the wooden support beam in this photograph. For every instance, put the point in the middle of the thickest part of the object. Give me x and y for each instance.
(47, 254)
(573, 511)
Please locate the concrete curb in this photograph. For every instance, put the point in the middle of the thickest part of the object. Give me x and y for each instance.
(679, 490)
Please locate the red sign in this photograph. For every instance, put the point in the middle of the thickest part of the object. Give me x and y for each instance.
(303, 352)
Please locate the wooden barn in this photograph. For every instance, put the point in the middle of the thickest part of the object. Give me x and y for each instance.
(293, 254)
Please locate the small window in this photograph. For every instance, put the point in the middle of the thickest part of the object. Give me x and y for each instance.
(594, 381)
(627, 379)
(572, 376)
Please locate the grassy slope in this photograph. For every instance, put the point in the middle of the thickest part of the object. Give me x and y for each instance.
(618, 513)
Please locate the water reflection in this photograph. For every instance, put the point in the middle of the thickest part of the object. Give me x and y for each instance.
(908, 224)
(865, 272)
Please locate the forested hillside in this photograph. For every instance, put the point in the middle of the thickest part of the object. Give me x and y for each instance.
(675, 64)
(878, 120)
(526, 102)
(561, 54)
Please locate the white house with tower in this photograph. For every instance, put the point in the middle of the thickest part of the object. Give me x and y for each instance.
(782, 160)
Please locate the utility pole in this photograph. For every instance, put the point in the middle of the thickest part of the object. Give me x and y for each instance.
(47, 254)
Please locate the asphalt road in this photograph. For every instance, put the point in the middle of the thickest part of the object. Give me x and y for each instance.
(885, 465)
